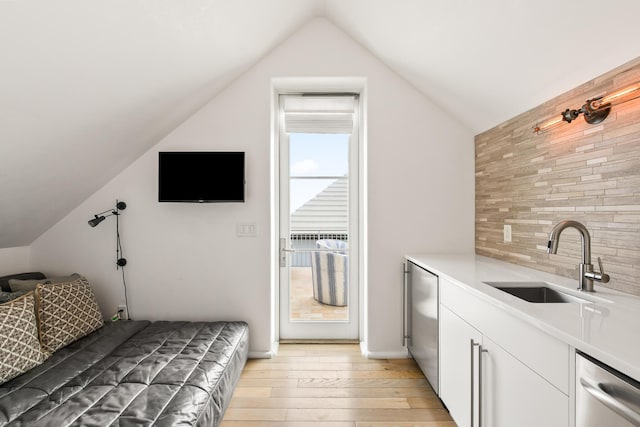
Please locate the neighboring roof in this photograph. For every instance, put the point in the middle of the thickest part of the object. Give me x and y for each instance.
(327, 212)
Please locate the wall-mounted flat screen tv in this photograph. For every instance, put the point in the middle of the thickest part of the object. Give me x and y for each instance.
(201, 177)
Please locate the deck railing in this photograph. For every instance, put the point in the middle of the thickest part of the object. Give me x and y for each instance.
(308, 241)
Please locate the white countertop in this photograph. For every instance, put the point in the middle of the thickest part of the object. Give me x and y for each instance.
(607, 328)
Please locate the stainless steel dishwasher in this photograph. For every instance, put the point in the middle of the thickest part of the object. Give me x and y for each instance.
(604, 396)
(421, 320)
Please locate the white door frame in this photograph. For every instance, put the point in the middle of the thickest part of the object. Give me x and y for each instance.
(320, 85)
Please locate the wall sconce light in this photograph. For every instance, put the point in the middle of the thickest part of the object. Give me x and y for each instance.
(99, 217)
(594, 110)
(120, 260)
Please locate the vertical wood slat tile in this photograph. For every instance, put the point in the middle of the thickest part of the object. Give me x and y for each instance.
(579, 171)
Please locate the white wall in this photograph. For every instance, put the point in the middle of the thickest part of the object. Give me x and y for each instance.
(14, 260)
(185, 261)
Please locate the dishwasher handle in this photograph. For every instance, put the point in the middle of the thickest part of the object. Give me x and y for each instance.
(596, 390)
(406, 310)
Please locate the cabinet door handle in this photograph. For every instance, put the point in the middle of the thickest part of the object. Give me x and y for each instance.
(480, 351)
(596, 390)
(472, 347)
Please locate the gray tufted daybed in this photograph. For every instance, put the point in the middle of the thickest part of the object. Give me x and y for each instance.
(127, 373)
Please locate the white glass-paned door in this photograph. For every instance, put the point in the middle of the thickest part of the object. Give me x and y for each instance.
(318, 266)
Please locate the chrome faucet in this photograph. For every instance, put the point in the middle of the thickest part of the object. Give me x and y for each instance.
(587, 275)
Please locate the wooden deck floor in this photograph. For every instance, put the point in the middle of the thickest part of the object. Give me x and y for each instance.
(333, 385)
(303, 306)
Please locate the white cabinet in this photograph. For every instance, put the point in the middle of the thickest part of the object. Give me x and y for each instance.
(499, 381)
(456, 346)
(514, 395)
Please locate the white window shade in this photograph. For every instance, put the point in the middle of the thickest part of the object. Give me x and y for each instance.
(318, 114)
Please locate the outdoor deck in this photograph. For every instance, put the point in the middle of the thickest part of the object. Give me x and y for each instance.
(303, 306)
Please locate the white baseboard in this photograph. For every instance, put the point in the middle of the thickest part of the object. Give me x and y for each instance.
(398, 354)
(260, 355)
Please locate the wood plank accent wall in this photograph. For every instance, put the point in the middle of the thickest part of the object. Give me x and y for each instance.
(588, 173)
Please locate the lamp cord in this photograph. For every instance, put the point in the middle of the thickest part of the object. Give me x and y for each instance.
(126, 302)
(118, 252)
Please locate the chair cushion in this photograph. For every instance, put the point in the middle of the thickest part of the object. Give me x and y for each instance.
(19, 346)
(332, 244)
(66, 312)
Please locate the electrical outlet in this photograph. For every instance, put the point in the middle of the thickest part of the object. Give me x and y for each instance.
(507, 233)
(123, 313)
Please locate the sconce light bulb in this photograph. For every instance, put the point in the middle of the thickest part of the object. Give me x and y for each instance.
(618, 97)
(546, 125)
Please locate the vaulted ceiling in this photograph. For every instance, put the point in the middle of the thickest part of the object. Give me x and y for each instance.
(86, 86)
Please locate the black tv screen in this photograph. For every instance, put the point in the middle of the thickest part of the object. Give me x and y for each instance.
(200, 177)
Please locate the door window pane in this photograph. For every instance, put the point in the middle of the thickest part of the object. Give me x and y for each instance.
(318, 154)
(318, 201)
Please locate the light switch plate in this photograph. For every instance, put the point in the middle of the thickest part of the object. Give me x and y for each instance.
(246, 229)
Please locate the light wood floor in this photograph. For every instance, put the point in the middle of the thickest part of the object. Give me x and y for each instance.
(333, 385)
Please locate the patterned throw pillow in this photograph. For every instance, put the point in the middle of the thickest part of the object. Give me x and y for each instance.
(19, 345)
(66, 312)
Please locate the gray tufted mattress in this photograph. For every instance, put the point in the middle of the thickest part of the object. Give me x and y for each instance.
(133, 373)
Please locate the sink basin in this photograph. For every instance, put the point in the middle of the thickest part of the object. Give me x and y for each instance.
(536, 292)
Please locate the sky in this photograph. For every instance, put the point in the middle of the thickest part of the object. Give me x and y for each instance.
(315, 155)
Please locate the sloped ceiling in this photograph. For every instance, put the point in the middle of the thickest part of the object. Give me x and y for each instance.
(86, 86)
(486, 61)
